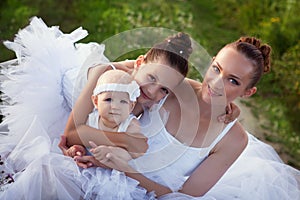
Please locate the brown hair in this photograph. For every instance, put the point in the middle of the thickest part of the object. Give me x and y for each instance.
(175, 49)
(259, 54)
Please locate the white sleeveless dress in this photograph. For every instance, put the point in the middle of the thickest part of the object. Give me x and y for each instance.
(38, 91)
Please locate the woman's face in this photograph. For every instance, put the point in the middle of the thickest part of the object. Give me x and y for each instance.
(228, 77)
(156, 80)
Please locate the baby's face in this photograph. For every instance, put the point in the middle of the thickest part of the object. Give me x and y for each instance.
(114, 107)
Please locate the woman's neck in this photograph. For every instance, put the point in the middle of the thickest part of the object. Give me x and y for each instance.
(211, 111)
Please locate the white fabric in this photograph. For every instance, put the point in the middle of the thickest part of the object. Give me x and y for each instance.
(35, 87)
(174, 161)
(133, 89)
(93, 121)
(39, 89)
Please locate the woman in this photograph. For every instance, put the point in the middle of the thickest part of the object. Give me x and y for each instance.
(233, 164)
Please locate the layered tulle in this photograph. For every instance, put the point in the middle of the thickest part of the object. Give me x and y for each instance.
(39, 88)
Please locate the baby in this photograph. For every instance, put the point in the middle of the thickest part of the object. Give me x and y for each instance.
(114, 98)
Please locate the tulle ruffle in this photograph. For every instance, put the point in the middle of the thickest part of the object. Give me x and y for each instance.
(99, 183)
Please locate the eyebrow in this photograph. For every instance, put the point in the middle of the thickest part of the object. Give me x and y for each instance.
(234, 76)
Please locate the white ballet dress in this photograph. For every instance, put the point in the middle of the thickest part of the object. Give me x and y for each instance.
(100, 183)
(38, 91)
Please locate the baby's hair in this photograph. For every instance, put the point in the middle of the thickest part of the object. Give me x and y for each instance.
(115, 76)
(175, 49)
(259, 54)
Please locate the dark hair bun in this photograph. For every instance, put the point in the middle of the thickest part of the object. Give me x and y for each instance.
(264, 49)
(181, 44)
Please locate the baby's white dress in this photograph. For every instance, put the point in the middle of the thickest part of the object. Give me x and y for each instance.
(38, 91)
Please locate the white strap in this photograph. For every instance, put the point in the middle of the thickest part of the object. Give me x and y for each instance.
(223, 133)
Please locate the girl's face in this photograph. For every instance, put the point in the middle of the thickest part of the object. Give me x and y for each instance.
(113, 107)
(156, 80)
(228, 77)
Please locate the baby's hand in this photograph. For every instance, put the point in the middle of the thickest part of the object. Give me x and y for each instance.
(76, 150)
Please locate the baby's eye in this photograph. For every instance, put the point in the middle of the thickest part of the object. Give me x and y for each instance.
(233, 81)
(108, 99)
(124, 101)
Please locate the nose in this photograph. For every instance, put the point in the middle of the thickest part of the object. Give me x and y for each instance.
(217, 82)
(153, 90)
(114, 105)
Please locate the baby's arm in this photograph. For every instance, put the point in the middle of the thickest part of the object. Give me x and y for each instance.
(77, 132)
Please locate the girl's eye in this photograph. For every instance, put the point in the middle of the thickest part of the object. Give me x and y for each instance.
(152, 78)
(215, 68)
(165, 90)
(233, 81)
(108, 99)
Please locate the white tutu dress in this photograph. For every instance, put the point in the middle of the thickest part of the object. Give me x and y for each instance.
(39, 89)
(38, 92)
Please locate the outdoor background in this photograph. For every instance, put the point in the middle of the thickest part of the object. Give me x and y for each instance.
(273, 111)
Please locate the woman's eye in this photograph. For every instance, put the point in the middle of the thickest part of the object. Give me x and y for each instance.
(165, 90)
(233, 81)
(215, 68)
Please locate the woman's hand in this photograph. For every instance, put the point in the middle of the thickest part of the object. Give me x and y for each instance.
(112, 157)
(232, 111)
(88, 161)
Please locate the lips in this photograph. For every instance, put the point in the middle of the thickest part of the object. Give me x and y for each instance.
(144, 95)
(114, 113)
(213, 92)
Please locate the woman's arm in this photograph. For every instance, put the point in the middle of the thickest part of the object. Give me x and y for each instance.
(209, 172)
(111, 159)
(77, 132)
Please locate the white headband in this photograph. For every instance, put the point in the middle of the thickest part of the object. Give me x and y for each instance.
(132, 89)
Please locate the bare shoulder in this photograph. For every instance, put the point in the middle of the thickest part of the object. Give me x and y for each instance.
(134, 126)
(193, 83)
(235, 140)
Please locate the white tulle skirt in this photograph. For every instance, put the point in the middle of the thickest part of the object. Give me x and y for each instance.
(38, 91)
(258, 174)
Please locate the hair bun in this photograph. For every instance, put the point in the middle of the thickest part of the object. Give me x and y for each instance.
(264, 49)
(180, 43)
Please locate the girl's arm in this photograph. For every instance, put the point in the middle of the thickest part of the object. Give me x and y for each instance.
(77, 132)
